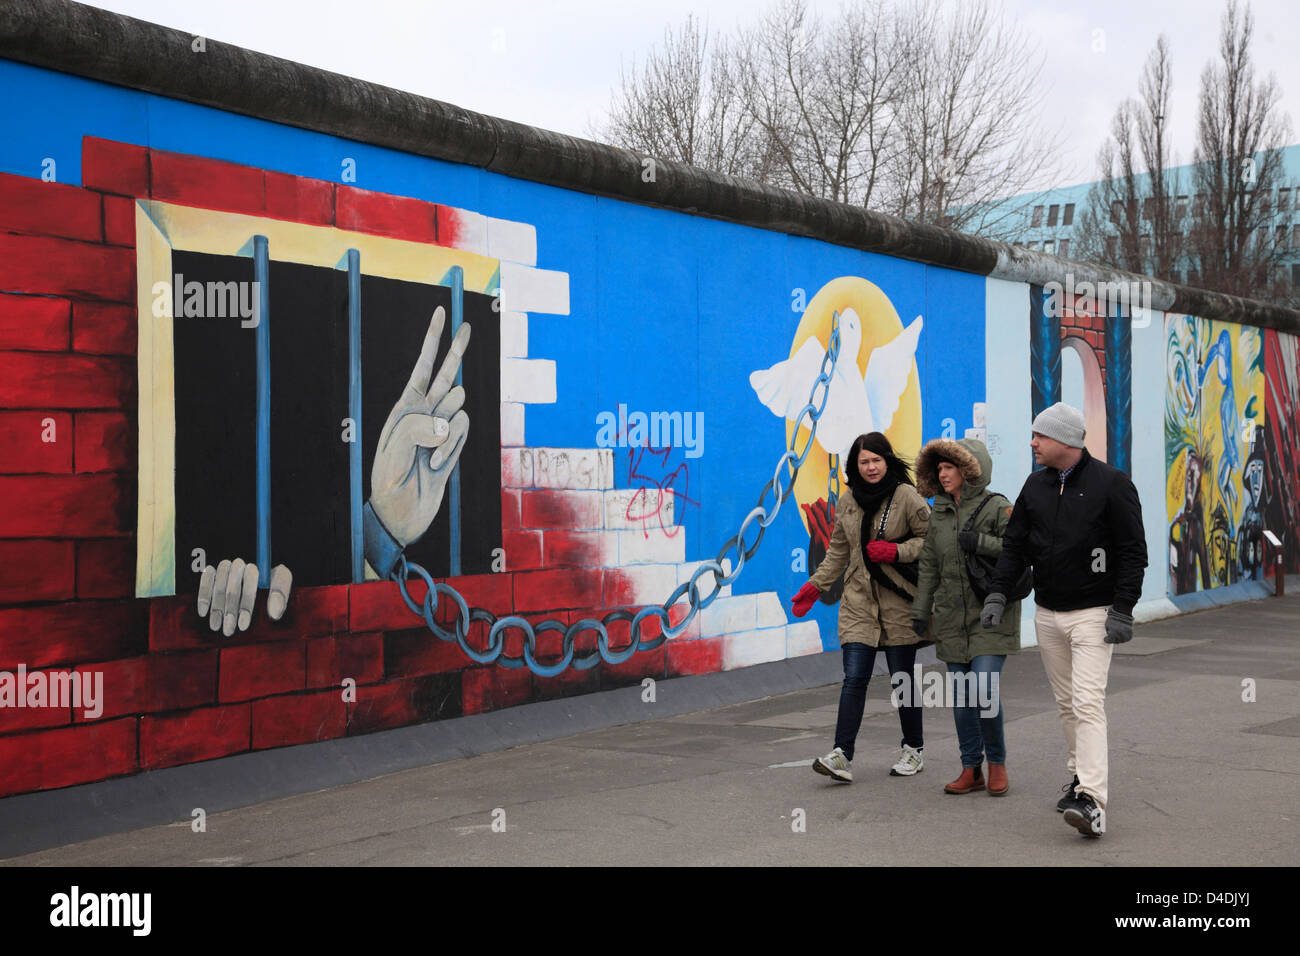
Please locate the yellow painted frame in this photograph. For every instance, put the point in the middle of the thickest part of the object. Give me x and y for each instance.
(160, 229)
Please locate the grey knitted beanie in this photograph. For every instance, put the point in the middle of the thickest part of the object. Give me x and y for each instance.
(1062, 422)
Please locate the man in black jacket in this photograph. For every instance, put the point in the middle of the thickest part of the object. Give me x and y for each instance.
(1078, 521)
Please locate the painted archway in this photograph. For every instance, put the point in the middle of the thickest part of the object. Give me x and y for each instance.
(1110, 340)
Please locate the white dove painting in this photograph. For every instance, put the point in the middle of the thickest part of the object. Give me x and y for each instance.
(856, 403)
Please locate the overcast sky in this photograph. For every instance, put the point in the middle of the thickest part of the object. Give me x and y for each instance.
(554, 64)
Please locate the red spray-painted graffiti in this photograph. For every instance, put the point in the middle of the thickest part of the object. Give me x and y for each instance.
(647, 507)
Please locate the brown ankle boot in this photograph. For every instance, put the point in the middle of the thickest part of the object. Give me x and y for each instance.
(972, 778)
(998, 785)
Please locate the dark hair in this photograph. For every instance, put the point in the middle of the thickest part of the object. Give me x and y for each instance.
(879, 444)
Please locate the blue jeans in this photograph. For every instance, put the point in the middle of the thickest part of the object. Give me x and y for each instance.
(979, 734)
(859, 661)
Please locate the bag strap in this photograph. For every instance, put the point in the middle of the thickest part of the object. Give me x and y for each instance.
(884, 517)
(970, 522)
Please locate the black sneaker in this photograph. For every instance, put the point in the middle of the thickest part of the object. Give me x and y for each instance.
(1086, 817)
(1069, 797)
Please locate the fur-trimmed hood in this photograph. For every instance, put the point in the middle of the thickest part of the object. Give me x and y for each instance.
(968, 454)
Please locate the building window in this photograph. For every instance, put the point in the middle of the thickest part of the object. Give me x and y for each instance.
(1037, 219)
(1149, 208)
(1295, 237)
(1193, 277)
(1065, 247)
(1067, 217)
(1295, 273)
(1031, 246)
(1264, 198)
(1281, 236)
(1284, 199)
(1051, 214)
(1112, 246)
(1176, 277)
(1116, 211)
(1049, 246)
(1180, 208)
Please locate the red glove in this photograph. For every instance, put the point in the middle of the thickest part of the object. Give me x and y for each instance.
(802, 602)
(885, 552)
(819, 522)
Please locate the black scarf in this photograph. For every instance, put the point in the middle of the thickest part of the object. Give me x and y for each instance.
(870, 497)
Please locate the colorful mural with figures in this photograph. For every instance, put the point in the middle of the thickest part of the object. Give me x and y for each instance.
(1215, 423)
(308, 437)
(1281, 493)
(343, 458)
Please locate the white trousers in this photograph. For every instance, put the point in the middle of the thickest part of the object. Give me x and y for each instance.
(1077, 660)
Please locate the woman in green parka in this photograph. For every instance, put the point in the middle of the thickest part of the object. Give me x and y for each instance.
(956, 474)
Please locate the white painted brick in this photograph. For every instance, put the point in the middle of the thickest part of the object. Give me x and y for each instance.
(515, 471)
(654, 547)
(590, 469)
(753, 647)
(977, 433)
(528, 380)
(802, 637)
(978, 411)
(525, 289)
(648, 509)
(514, 334)
(771, 611)
(471, 229)
(728, 615)
(651, 583)
(512, 241)
(512, 424)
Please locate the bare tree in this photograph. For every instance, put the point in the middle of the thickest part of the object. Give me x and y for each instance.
(1136, 213)
(969, 120)
(1238, 166)
(683, 104)
(923, 110)
(824, 95)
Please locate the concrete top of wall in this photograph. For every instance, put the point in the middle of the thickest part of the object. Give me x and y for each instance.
(86, 41)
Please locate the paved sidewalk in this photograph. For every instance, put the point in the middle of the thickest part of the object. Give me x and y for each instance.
(1198, 777)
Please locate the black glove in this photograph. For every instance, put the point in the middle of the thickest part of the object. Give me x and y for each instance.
(994, 605)
(919, 626)
(968, 541)
(1119, 627)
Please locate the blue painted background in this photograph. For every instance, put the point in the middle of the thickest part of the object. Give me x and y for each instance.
(669, 312)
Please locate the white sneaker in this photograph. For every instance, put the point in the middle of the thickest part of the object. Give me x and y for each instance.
(834, 765)
(912, 761)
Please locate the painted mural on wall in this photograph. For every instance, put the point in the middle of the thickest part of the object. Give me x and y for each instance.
(1215, 452)
(443, 458)
(875, 387)
(1282, 448)
(304, 502)
(1097, 325)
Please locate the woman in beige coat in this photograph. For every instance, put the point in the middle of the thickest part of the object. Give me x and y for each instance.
(879, 532)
